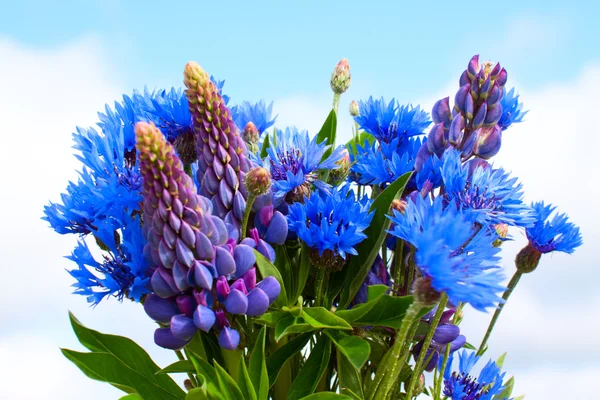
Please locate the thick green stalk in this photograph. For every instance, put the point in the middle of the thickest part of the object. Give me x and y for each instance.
(391, 365)
(247, 212)
(399, 264)
(336, 101)
(511, 286)
(419, 366)
(181, 357)
(282, 384)
(319, 283)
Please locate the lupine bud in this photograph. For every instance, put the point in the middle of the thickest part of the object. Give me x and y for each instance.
(229, 338)
(258, 181)
(464, 78)
(436, 142)
(221, 319)
(422, 155)
(483, 93)
(493, 116)
(222, 154)
(473, 66)
(460, 98)
(502, 77)
(354, 110)
(441, 112)
(224, 262)
(244, 259)
(480, 116)
(159, 309)
(236, 302)
(163, 284)
(446, 333)
(204, 298)
(186, 304)
(258, 302)
(222, 288)
(182, 327)
(477, 163)
(455, 134)
(270, 285)
(488, 142)
(251, 135)
(164, 338)
(340, 78)
(469, 106)
(250, 278)
(204, 318)
(277, 231)
(494, 96)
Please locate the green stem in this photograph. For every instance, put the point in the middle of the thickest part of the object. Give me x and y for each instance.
(399, 264)
(419, 366)
(391, 365)
(511, 286)
(247, 212)
(437, 391)
(319, 283)
(336, 102)
(181, 357)
(411, 269)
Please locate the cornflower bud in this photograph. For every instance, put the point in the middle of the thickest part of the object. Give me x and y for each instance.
(257, 181)
(354, 110)
(528, 259)
(340, 78)
(251, 135)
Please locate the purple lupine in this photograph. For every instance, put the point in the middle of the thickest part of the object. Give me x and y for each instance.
(472, 124)
(222, 154)
(445, 333)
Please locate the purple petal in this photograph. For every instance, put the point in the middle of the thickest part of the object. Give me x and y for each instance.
(266, 250)
(202, 276)
(236, 302)
(240, 285)
(180, 274)
(433, 362)
(221, 229)
(278, 229)
(185, 255)
(164, 338)
(186, 304)
(204, 248)
(222, 288)
(182, 327)
(224, 262)
(250, 278)
(244, 259)
(159, 309)
(271, 287)
(458, 343)
(229, 338)
(204, 297)
(258, 302)
(163, 283)
(204, 318)
(444, 334)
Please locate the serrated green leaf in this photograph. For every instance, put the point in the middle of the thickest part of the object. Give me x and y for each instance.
(229, 389)
(349, 376)
(244, 381)
(280, 356)
(127, 352)
(258, 367)
(181, 366)
(106, 367)
(328, 132)
(354, 348)
(311, 373)
(266, 268)
(358, 267)
(326, 396)
(291, 324)
(319, 317)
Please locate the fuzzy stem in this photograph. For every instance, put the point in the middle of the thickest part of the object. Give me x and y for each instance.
(319, 283)
(247, 212)
(511, 286)
(399, 264)
(391, 365)
(336, 102)
(418, 369)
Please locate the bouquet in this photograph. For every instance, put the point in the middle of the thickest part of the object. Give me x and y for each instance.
(283, 265)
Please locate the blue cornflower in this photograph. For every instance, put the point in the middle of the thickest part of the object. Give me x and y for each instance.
(453, 253)
(382, 163)
(123, 271)
(512, 109)
(463, 386)
(168, 110)
(332, 223)
(491, 193)
(552, 235)
(294, 160)
(388, 121)
(259, 114)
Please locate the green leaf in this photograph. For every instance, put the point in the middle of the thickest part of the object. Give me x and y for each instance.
(266, 268)
(244, 381)
(229, 389)
(271, 318)
(509, 385)
(349, 376)
(291, 324)
(131, 396)
(326, 396)
(207, 372)
(500, 360)
(359, 266)
(128, 353)
(106, 367)
(388, 311)
(469, 346)
(258, 367)
(354, 348)
(319, 317)
(280, 356)
(182, 366)
(196, 394)
(362, 137)
(375, 292)
(265, 146)
(284, 265)
(311, 373)
(328, 132)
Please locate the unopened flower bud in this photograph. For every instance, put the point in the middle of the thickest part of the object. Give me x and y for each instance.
(502, 231)
(480, 116)
(420, 385)
(436, 142)
(399, 205)
(340, 79)
(473, 66)
(354, 110)
(502, 77)
(340, 174)
(461, 95)
(188, 384)
(455, 133)
(441, 112)
(469, 106)
(493, 98)
(423, 293)
(258, 181)
(250, 134)
(528, 259)
(493, 116)
(488, 142)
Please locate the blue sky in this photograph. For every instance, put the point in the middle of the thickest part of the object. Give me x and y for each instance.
(60, 63)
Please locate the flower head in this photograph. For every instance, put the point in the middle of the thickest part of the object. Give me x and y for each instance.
(294, 162)
(331, 223)
(556, 234)
(388, 121)
(453, 254)
(259, 114)
(461, 385)
(512, 109)
(340, 78)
